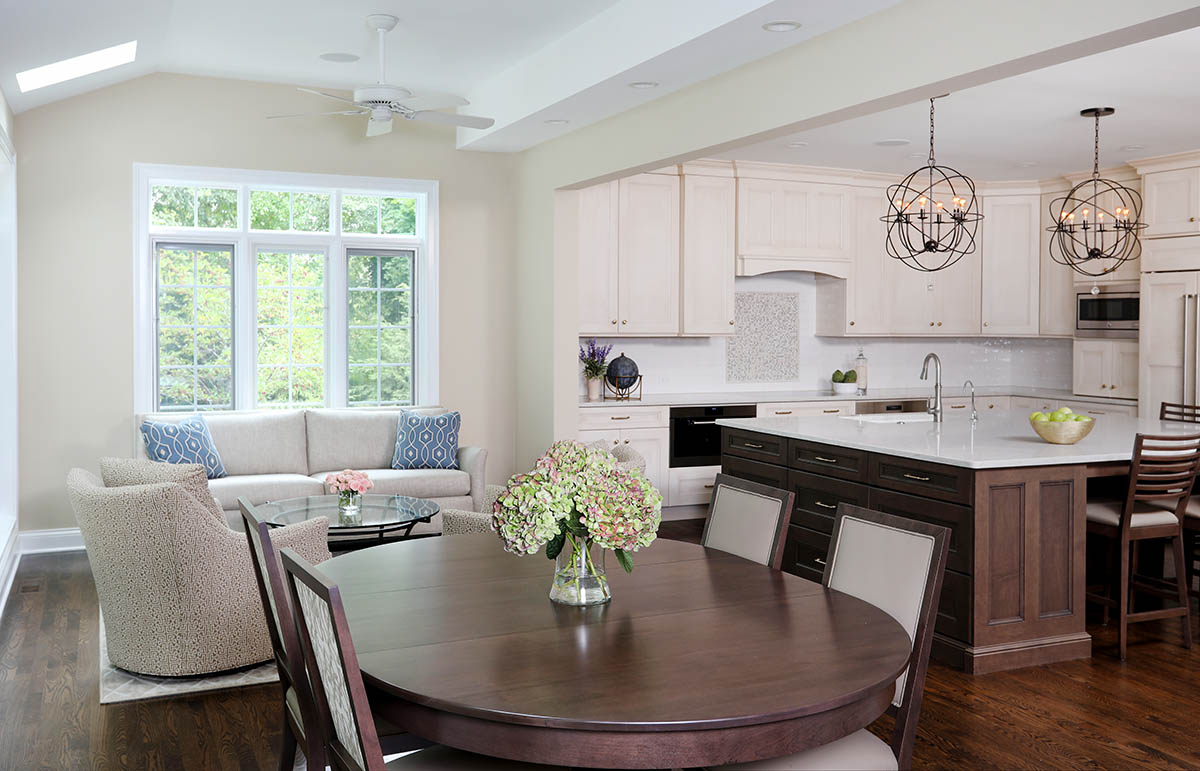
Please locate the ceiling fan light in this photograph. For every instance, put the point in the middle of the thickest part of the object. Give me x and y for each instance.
(781, 26)
(339, 57)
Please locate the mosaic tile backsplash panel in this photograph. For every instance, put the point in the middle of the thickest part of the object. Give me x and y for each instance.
(766, 348)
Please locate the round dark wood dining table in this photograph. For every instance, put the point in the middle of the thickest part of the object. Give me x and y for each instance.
(701, 658)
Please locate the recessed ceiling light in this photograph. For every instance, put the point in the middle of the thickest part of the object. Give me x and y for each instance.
(892, 142)
(1026, 164)
(918, 156)
(77, 66)
(556, 122)
(643, 84)
(1129, 148)
(781, 26)
(339, 57)
(797, 144)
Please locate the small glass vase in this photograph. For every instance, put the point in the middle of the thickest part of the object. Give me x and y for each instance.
(579, 577)
(349, 508)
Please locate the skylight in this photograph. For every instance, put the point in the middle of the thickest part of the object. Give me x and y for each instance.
(77, 66)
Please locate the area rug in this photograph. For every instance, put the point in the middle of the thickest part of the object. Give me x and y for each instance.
(117, 685)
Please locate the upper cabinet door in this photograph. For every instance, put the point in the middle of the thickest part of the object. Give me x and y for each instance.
(911, 302)
(709, 212)
(597, 249)
(956, 297)
(1011, 266)
(648, 255)
(1172, 202)
(867, 290)
(1056, 305)
(1167, 336)
(1123, 380)
(801, 223)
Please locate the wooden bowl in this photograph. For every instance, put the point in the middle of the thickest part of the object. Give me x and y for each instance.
(1065, 432)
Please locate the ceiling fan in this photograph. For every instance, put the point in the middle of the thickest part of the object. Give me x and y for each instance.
(383, 102)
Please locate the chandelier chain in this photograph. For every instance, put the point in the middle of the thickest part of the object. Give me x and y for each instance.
(931, 161)
(1096, 151)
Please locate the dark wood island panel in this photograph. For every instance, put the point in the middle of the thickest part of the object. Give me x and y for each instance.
(1013, 594)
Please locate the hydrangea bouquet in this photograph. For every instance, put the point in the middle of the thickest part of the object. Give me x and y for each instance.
(574, 498)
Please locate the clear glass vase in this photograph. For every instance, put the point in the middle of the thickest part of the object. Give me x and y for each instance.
(579, 577)
(349, 509)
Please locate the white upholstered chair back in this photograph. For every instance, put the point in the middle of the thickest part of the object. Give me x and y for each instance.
(748, 519)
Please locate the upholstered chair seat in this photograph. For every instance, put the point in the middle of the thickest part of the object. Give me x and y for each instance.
(1144, 514)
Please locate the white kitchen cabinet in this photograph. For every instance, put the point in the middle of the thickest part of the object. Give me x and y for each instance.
(956, 297)
(692, 485)
(959, 404)
(709, 251)
(1167, 335)
(1170, 254)
(942, 303)
(597, 248)
(804, 409)
(648, 254)
(993, 403)
(1056, 282)
(1011, 265)
(653, 443)
(1172, 202)
(620, 416)
(1033, 404)
(857, 305)
(1094, 409)
(788, 225)
(1106, 368)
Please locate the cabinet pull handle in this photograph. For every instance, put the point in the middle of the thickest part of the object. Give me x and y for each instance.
(824, 505)
(709, 487)
(620, 417)
(851, 323)
(918, 478)
(624, 321)
(931, 323)
(831, 412)
(987, 323)
(731, 322)
(614, 321)
(1103, 386)
(958, 406)
(1096, 412)
(818, 560)
(824, 459)
(783, 412)
(626, 441)
(752, 445)
(939, 323)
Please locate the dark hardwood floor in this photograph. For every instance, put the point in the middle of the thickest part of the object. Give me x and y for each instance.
(1097, 713)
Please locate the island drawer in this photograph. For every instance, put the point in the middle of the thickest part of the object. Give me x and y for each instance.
(932, 480)
(954, 607)
(754, 471)
(804, 553)
(747, 444)
(817, 499)
(827, 460)
(959, 519)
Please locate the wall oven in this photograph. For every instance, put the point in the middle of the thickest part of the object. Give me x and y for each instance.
(695, 435)
(1111, 313)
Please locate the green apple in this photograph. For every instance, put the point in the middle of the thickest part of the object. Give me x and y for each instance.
(1041, 418)
(1058, 417)
(1039, 415)
(1064, 410)
(1084, 418)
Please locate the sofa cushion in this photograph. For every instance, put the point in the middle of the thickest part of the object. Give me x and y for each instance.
(427, 441)
(356, 438)
(183, 441)
(260, 488)
(261, 442)
(418, 483)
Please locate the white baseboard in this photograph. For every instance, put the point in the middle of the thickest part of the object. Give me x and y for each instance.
(10, 555)
(58, 539)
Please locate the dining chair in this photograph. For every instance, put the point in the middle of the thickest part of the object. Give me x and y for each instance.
(343, 722)
(1187, 413)
(896, 564)
(1161, 476)
(299, 709)
(748, 519)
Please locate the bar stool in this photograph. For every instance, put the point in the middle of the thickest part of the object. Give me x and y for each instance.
(1187, 413)
(1160, 484)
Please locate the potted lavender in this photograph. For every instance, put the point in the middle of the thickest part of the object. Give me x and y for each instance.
(595, 364)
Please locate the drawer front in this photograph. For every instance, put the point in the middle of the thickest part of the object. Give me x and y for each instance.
(993, 403)
(804, 409)
(817, 498)
(609, 418)
(804, 553)
(961, 405)
(1029, 403)
(932, 480)
(954, 607)
(754, 471)
(959, 519)
(828, 460)
(692, 486)
(1085, 408)
(747, 444)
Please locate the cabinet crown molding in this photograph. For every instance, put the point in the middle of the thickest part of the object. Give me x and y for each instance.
(708, 167)
(1123, 173)
(1186, 160)
(789, 172)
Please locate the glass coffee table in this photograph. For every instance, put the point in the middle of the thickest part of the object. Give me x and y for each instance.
(380, 518)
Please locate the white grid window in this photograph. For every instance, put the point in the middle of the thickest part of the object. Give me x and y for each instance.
(380, 315)
(290, 351)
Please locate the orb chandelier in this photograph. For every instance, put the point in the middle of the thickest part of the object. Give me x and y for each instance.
(1096, 224)
(932, 215)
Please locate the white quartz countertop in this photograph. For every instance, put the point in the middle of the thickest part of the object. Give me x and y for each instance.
(873, 395)
(999, 440)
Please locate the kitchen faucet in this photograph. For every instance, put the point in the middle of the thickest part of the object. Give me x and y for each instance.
(936, 409)
(974, 414)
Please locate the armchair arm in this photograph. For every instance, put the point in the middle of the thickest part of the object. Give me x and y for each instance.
(473, 460)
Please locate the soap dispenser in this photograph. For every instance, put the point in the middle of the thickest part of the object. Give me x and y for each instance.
(860, 371)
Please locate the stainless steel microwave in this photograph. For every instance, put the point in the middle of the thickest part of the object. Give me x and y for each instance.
(1113, 312)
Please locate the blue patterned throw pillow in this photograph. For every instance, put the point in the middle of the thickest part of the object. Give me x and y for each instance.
(187, 441)
(427, 441)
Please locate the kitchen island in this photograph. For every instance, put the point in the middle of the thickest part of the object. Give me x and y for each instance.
(1013, 593)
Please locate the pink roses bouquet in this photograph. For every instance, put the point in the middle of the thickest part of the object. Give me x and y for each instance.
(348, 482)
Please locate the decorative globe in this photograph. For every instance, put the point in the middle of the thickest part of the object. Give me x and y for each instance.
(622, 372)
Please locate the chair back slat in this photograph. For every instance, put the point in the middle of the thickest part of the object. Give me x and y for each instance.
(1164, 469)
(1183, 413)
(337, 684)
(897, 565)
(748, 519)
(270, 587)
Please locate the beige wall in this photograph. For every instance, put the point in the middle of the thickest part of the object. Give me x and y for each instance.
(839, 75)
(76, 262)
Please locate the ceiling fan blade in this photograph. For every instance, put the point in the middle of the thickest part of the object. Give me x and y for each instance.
(308, 114)
(327, 96)
(430, 100)
(375, 127)
(451, 119)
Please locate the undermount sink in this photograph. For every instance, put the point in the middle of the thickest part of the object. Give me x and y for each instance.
(892, 417)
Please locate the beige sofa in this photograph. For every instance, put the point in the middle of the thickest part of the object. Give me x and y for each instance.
(272, 455)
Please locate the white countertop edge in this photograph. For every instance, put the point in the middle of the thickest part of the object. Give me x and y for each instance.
(882, 394)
